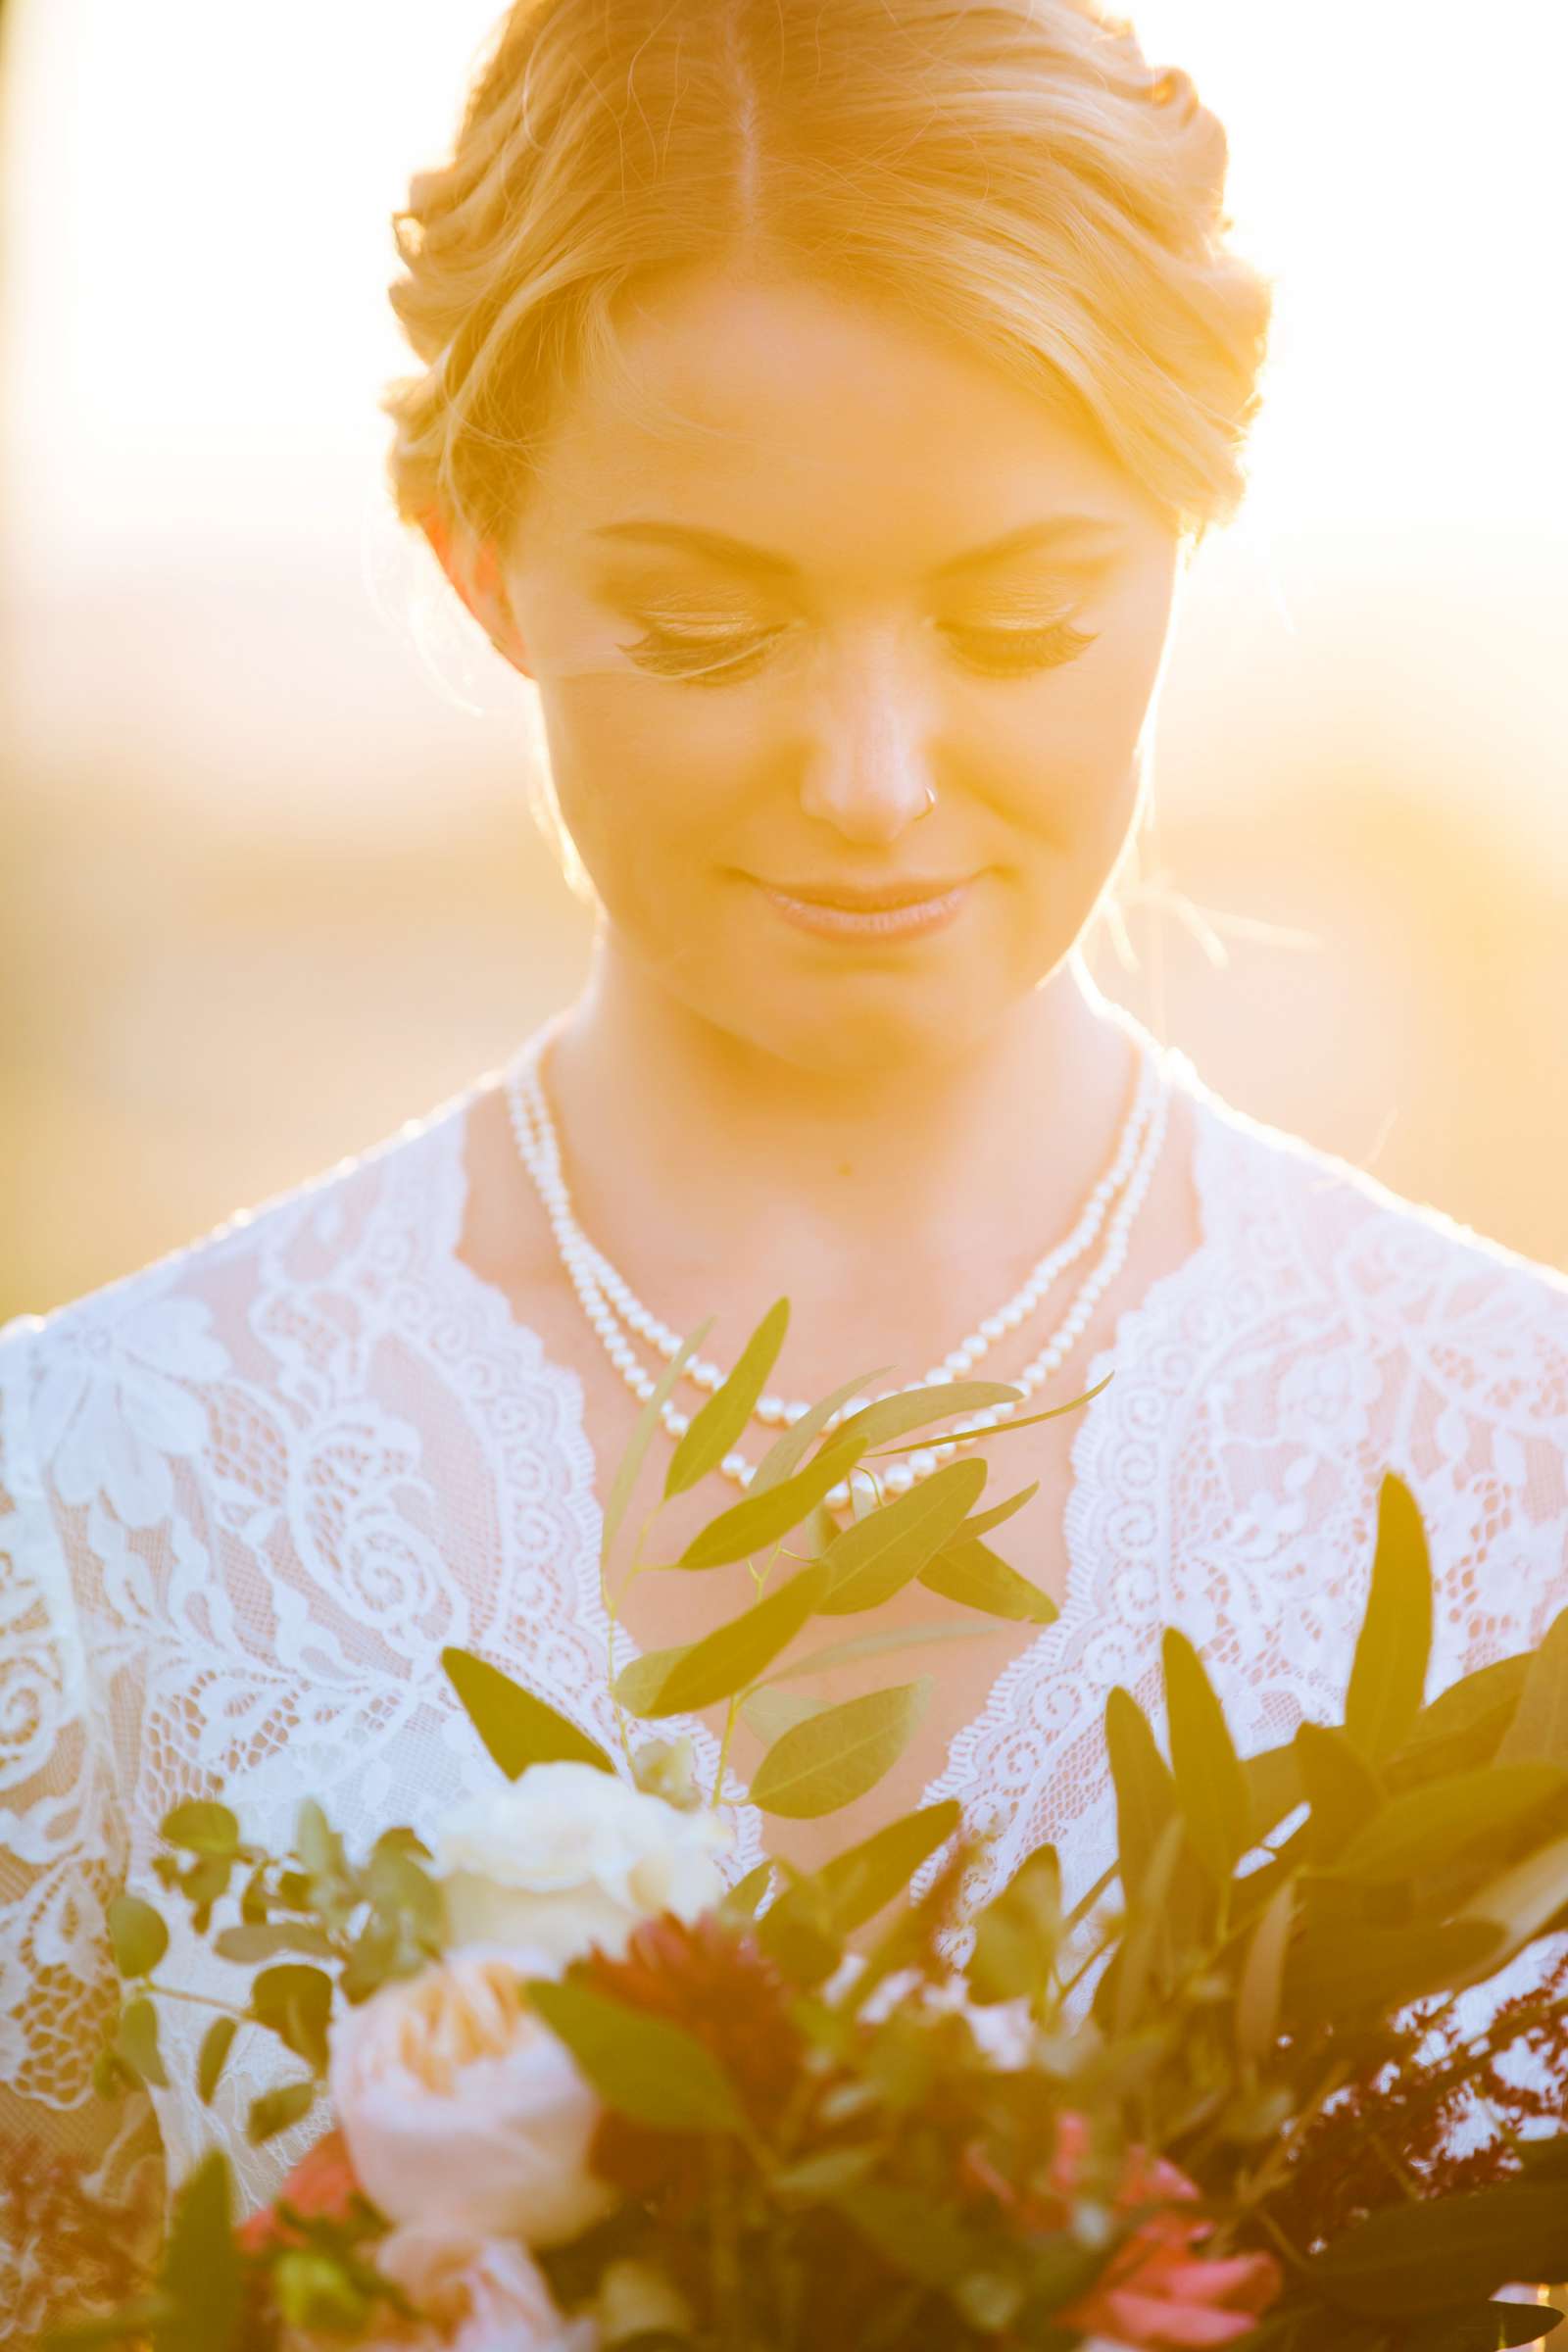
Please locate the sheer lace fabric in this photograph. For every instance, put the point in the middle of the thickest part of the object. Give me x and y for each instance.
(248, 1493)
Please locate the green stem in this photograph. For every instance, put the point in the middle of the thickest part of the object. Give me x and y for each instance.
(173, 1992)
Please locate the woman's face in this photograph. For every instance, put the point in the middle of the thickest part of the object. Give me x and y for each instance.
(879, 573)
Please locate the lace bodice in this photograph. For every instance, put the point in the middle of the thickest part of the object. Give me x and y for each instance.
(249, 1493)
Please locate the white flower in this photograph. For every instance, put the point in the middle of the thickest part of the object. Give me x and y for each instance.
(569, 1857)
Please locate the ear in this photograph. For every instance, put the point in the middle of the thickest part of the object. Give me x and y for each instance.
(475, 571)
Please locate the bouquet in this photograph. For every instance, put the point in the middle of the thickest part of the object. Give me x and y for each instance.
(575, 2096)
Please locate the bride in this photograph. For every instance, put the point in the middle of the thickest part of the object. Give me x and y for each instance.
(823, 411)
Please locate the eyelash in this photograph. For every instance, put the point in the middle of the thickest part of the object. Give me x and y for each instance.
(666, 652)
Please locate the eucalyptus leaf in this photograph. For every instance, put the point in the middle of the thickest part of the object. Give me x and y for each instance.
(1463, 1725)
(266, 1942)
(742, 1900)
(1260, 1988)
(1211, 1787)
(1339, 1783)
(216, 2043)
(859, 1882)
(770, 1713)
(296, 2003)
(1146, 1792)
(1524, 1901)
(136, 2041)
(760, 1521)
(643, 2067)
(970, 1572)
(517, 1729)
(275, 2110)
(916, 1408)
(1017, 1933)
(1488, 2325)
(788, 1452)
(1426, 1827)
(984, 1522)
(1538, 1731)
(642, 1436)
(726, 1660)
(1388, 1674)
(713, 1432)
(1002, 1429)
(875, 1558)
(1328, 1971)
(839, 1755)
(137, 1935)
(202, 1827)
(640, 1681)
(877, 1644)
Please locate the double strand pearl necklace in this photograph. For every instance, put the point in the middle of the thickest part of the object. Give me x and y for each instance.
(602, 1293)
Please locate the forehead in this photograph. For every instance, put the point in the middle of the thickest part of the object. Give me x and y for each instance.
(834, 429)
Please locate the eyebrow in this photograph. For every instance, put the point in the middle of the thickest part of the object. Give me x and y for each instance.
(741, 555)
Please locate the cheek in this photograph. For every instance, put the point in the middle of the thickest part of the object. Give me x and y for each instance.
(644, 783)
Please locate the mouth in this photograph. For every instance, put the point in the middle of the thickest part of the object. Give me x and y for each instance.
(885, 911)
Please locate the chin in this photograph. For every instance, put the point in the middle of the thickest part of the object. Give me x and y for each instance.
(897, 1028)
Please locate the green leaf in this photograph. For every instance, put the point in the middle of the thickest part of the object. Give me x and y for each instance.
(1274, 1784)
(216, 2043)
(877, 1644)
(275, 2110)
(724, 1661)
(761, 1520)
(1135, 1956)
(815, 2180)
(317, 1842)
(1428, 1826)
(877, 1557)
(1462, 1726)
(1525, 1900)
(296, 2003)
(984, 1522)
(138, 1935)
(1406, 2259)
(714, 1429)
(1146, 1794)
(277, 1935)
(839, 1755)
(1017, 1933)
(201, 1828)
(916, 1408)
(1486, 2327)
(1339, 1783)
(1003, 1429)
(787, 1451)
(1539, 1732)
(1210, 1786)
(642, 2066)
(917, 2237)
(1389, 1669)
(1329, 1972)
(970, 1572)
(771, 1713)
(640, 1681)
(631, 1461)
(1260, 1988)
(517, 1729)
(741, 1902)
(201, 2272)
(136, 2041)
(859, 1882)
(137, 2319)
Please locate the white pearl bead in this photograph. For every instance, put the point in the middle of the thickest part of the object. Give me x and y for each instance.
(795, 1412)
(837, 1496)
(1011, 1317)
(943, 1451)
(899, 1479)
(924, 1462)
(993, 1327)
(678, 1424)
(733, 1464)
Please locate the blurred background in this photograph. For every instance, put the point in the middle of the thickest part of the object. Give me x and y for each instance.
(270, 885)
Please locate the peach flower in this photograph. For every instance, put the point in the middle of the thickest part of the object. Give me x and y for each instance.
(1156, 2291)
(460, 2112)
(474, 2295)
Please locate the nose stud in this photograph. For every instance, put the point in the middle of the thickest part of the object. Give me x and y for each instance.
(930, 804)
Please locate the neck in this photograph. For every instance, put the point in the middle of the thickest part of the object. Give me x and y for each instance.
(988, 1153)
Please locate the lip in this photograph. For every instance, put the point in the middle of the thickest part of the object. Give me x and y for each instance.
(890, 911)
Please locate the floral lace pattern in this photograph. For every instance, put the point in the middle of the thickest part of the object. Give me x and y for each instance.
(249, 1493)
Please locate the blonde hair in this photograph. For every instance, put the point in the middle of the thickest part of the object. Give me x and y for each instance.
(1012, 172)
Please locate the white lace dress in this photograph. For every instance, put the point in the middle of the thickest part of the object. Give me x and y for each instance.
(249, 1493)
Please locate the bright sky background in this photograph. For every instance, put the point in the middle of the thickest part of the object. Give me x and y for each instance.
(197, 206)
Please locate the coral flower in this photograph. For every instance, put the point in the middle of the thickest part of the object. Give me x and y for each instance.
(1156, 2290)
(321, 2185)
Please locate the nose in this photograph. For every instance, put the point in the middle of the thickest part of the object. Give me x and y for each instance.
(868, 767)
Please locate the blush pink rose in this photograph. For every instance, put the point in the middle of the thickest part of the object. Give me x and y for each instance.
(473, 2295)
(460, 2112)
(1156, 2291)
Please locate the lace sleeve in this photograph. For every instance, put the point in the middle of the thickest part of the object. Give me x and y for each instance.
(63, 1848)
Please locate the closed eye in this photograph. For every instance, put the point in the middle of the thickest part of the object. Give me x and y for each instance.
(723, 657)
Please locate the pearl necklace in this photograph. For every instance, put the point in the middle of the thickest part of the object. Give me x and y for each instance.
(602, 1290)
